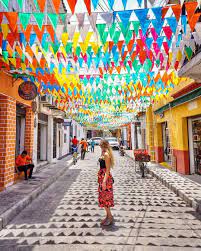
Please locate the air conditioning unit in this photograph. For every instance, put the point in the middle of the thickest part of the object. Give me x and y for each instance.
(47, 99)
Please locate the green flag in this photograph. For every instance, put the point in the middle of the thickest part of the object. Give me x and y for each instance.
(128, 36)
(136, 26)
(112, 30)
(39, 17)
(53, 19)
(5, 3)
(20, 3)
(116, 36)
(24, 19)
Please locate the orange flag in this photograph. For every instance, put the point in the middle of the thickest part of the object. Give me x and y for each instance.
(41, 4)
(164, 11)
(192, 22)
(50, 30)
(39, 32)
(190, 9)
(56, 4)
(12, 20)
(120, 45)
(177, 11)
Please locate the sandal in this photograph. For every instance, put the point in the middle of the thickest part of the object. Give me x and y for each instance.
(103, 221)
(108, 222)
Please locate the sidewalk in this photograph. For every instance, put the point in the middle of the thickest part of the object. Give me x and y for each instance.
(185, 188)
(16, 197)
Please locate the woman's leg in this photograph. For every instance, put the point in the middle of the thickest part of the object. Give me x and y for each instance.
(108, 213)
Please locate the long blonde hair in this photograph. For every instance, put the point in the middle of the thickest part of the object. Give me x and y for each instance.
(105, 144)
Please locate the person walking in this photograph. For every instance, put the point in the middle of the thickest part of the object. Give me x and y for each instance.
(84, 145)
(92, 145)
(106, 181)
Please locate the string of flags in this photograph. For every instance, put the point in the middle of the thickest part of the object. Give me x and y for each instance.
(94, 62)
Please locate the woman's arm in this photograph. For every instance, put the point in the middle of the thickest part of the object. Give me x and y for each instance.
(107, 163)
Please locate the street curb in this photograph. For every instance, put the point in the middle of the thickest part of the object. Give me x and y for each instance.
(7, 216)
(189, 200)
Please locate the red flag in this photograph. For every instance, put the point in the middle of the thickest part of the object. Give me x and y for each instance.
(72, 4)
(88, 5)
(192, 22)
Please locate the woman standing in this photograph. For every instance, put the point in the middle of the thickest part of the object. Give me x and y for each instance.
(105, 181)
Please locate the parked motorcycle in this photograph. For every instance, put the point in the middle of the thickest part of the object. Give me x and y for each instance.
(121, 151)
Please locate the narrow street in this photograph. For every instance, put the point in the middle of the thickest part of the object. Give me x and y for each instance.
(148, 216)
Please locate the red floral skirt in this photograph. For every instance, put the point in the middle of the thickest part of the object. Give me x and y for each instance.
(105, 198)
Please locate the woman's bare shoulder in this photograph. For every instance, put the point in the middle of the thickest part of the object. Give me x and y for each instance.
(106, 155)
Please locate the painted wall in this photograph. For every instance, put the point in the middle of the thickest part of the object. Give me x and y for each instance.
(176, 119)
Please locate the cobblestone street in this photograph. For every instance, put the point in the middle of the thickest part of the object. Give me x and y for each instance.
(148, 216)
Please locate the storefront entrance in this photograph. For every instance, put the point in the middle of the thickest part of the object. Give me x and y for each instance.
(20, 129)
(194, 127)
(166, 143)
(42, 137)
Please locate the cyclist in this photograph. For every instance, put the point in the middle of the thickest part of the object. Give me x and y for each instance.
(75, 141)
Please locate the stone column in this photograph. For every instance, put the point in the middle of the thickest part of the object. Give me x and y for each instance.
(50, 139)
(7, 140)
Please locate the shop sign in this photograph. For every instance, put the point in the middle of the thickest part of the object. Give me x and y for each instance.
(27, 90)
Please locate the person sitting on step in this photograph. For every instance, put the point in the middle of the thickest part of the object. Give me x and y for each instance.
(24, 163)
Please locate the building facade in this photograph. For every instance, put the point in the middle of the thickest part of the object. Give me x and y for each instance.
(16, 128)
(174, 129)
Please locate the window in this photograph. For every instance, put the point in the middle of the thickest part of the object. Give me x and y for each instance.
(65, 138)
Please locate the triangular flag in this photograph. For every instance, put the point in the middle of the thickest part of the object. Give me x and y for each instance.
(20, 3)
(177, 11)
(164, 11)
(71, 30)
(111, 3)
(84, 30)
(12, 20)
(188, 52)
(124, 2)
(168, 32)
(5, 3)
(53, 19)
(136, 26)
(95, 3)
(41, 4)
(64, 38)
(24, 19)
(145, 26)
(112, 30)
(125, 16)
(92, 19)
(59, 31)
(172, 23)
(190, 9)
(101, 29)
(139, 2)
(80, 19)
(158, 24)
(72, 4)
(88, 5)
(192, 22)
(39, 17)
(107, 17)
(39, 32)
(157, 13)
(50, 30)
(56, 4)
(141, 14)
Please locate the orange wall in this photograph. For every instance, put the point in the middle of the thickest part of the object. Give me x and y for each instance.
(10, 89)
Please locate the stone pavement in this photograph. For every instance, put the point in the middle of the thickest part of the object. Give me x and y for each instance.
(148, 215)
(14, 198)
(185, 188)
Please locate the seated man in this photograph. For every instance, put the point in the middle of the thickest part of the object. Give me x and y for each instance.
(24, 163)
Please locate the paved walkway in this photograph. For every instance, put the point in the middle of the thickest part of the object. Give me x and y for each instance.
(148, 215)
(14, 198)
(188, 189)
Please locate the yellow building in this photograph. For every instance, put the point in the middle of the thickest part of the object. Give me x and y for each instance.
(174, 129)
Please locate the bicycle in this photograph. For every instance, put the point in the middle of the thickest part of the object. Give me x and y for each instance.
(75, 154)
(141, 156)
